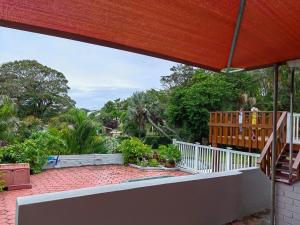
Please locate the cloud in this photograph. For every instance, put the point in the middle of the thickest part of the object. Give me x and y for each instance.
(95, 74)
(95, 98)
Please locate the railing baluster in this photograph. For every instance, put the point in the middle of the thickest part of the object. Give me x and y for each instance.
(207, 159)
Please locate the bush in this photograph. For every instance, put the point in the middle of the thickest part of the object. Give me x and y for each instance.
(111, 145)
(52, 144)
(27, 152)
(169, 154)
(2, 182)
(155, 141)
(153, 163)
(135, 151)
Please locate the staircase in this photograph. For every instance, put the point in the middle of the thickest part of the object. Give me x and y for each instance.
(282, 158)
(283, 164)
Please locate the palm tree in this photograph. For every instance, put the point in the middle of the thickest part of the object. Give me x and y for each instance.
(136, 111)
(147, 108)
(80, 132)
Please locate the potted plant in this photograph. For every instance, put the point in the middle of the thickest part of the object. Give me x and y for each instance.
(169, 155)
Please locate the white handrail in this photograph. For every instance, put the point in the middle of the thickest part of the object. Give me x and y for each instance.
(296, 128)
(207, 159)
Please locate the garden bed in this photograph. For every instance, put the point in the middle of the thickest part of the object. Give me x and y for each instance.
(161, 167)
(65, 161)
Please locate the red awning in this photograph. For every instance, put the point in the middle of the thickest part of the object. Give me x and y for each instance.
(196, 32)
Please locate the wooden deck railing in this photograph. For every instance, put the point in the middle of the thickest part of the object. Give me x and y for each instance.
(265, 159)
(225, 129)
(296, 165)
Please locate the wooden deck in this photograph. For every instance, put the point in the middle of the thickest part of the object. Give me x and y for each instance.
(252, 133)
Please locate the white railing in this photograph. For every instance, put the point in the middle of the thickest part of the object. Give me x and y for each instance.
(296, 128)
(207, 159)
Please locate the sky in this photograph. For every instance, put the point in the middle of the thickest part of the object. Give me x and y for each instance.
(96, 74)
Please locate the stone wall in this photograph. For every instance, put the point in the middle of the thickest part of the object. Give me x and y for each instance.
(87, 160)
(288, 204)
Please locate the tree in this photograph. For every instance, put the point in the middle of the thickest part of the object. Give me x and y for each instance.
(180, 76)
(80, 132)
(37, 89)
(8, 121)
(189, 107)
(136, 112)
(148, 107)
(264, 95)
(112, 113)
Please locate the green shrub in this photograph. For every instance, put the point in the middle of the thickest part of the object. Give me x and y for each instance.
(27, 152)
(2, 182)
(51, 143)
(169, 154)
(153, 163)
(155, 141)
(111, 144)
(143, 163)
(122, 138)
(135, 151)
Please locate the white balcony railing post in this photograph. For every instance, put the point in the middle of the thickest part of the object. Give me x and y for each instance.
(208, 159)
(196, 160)
(228, 160)
(174, 141)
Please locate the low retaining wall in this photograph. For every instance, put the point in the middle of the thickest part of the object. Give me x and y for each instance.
(209, 199)
(86, 160)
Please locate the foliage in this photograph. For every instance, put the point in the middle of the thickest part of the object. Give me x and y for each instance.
(112, 113)
(148, 108)
(2, 182)
(39, 90)
(189, 107)
(111, 144)
(28, 126)
(8, 121)
(137, 112)
(153, 163)
(169, 154)
(27, 152)
(79, 132)
(180, 76)
(135, 151)
(155, 141)
(51, 143)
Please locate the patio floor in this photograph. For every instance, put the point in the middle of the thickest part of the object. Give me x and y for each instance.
(72, 178)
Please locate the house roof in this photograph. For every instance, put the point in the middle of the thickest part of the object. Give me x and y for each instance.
(198, 32)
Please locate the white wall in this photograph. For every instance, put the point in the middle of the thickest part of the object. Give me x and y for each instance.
(211, 199)
(87, 160)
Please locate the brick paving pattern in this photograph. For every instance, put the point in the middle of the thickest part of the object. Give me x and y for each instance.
(73, 178)
(260, 218)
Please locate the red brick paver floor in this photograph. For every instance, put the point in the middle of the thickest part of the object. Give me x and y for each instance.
(73, 178)
(260, 218)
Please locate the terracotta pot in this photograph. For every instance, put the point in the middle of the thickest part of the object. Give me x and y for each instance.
(16, 176)
(170, 165)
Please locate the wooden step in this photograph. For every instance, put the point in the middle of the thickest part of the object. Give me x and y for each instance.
(285, 171)
(284, 162)
(283, 178)
(287, 154)
(295, 147)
